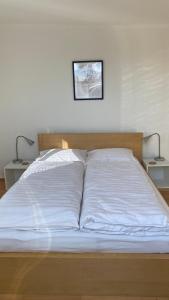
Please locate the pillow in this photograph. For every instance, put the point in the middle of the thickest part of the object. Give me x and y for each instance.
(60, 155)
(110, 154)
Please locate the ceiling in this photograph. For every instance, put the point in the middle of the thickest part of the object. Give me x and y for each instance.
(115, 12)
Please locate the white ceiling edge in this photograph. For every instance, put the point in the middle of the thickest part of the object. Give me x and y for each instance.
(86, 12)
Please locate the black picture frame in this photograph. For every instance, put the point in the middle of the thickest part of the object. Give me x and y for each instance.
(88, 80)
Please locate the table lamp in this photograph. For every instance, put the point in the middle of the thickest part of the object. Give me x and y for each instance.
(30, 142)
(159, 157)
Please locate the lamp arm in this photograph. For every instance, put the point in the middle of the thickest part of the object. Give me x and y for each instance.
(17, 140)
(159, 145)
(30, 142)
(21, 136)
(158, 158)
(17, 147)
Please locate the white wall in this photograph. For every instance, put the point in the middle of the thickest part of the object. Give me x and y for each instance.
(36, 92)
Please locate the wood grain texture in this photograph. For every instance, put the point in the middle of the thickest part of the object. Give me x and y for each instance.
(41, 297)
(83, 274)
(91, 141)
(117, 298)
(2, 187)
(16, 297)
(165, 194)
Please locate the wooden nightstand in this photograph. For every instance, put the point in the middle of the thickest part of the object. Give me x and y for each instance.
(2, 187)
(159, 173)
(13, 171)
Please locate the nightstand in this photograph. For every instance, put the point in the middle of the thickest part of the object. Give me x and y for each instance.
(159, 173)
(13, 171)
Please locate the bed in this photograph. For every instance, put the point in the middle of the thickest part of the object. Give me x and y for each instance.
(89, 273)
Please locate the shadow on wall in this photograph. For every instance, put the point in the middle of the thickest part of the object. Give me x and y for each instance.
(145, 99)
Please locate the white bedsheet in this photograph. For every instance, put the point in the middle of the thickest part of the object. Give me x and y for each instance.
(119, 198)
(17, 206)
(77, 241)
(47, 197)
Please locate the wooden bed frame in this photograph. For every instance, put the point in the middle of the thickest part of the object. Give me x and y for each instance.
(64, 276)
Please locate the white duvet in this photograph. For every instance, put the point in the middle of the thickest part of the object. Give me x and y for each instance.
(119, 198)
(47, 197)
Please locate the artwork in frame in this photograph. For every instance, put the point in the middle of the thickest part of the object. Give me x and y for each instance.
(88, 80)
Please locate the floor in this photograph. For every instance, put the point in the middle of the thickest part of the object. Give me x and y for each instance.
(2, 187)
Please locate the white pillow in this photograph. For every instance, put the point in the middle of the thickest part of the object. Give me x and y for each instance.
(59, 155)
(110, 154)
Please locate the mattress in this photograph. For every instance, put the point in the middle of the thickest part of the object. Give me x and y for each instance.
(47, 197)
(119, 198)
(77, 241)
(32, 238)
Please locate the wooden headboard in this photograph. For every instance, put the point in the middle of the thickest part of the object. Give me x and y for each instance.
(91, 141)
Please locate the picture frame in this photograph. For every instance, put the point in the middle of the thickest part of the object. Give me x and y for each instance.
(88, 80)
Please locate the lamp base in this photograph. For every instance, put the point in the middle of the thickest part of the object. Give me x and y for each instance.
(17, 161)
(159, 158)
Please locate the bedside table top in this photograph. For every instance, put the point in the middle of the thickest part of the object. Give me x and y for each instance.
(164, 163)
(17, 166)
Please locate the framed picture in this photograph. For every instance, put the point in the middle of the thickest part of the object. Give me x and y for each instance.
(88, 80)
